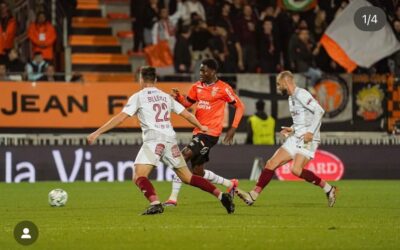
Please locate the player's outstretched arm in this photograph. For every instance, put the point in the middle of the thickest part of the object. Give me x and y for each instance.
(112, 123)
(181, 98)
(239, 110)
(190, 118)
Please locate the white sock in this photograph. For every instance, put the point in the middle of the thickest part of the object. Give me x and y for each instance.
(176, 186)
(220, 196)
(216, 179)
(155, 203)
(253, 194)
(327, 187)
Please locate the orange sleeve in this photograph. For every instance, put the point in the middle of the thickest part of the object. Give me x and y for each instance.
(232, 98)
(33, 35)
(10, 34)
(229, 95)
(182, 99)
(239, 111)
(51, 35)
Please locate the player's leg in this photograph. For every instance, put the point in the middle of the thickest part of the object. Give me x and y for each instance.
(148, 157)
(197, 181)
(141, 180)
(280, 157)
(300, 161)
(176, 187)
(201, 151)
(175, 159)
(197, 151)
(214, 178)
(187, 153)
(188, 178)
(176, 182)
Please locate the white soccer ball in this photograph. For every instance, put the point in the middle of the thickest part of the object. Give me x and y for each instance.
(57, 197)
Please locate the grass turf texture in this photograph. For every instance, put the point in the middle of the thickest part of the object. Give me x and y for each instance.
(288, 215)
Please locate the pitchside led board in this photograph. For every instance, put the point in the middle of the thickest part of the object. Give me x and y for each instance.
(70, 105)
(327, 165)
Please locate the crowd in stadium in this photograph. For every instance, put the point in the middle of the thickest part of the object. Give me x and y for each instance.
(244, 36)
(42, 36)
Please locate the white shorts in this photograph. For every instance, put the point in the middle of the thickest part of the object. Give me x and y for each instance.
(152, 152)
(294, 145)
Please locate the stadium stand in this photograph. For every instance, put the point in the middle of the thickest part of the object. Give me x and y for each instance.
(98, 47)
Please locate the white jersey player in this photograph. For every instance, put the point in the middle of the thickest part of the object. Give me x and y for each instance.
(302, 140)
(153, 108)
(306, 114)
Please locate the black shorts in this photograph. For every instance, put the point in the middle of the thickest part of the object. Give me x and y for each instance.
(200, 147)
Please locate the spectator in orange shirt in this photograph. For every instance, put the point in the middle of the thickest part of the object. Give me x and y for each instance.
(8, 27)
(43, 36)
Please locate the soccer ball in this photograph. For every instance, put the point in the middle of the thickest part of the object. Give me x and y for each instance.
(57, 197)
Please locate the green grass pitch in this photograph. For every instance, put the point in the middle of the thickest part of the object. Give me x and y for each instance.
(288, 215)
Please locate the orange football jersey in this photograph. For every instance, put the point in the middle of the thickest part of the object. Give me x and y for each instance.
(210, 104)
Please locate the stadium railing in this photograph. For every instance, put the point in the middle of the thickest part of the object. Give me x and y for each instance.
(110, 139)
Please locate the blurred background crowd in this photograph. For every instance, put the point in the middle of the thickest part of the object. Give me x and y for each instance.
(244, 36)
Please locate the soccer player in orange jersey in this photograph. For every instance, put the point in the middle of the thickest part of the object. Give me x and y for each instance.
(210, 95)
